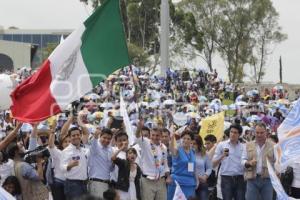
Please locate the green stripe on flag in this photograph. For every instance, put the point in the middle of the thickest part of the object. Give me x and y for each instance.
(104, 48)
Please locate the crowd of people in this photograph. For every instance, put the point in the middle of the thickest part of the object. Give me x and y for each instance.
(136, 137)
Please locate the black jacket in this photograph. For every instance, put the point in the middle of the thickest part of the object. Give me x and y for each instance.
(123, 177)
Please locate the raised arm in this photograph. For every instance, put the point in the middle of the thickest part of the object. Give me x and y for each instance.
(65, 128)
(173, 145)
(85, 131)
(51, 139)
(139, 128)
(11, 136)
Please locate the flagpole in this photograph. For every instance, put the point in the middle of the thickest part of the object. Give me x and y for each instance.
(164, 37)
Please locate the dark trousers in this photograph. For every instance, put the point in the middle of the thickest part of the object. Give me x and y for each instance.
(233, 187)
(74, 189)
(57, 190)
(202, 191)
(295, 192)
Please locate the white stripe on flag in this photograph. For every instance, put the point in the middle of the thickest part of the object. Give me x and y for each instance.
(288, 148)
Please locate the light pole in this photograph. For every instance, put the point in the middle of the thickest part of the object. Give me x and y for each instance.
(164, 36)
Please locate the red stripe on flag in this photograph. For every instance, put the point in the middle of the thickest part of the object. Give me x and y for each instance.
(32, 99)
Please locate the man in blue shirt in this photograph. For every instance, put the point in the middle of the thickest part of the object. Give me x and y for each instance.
(99, 162)
(228, 153)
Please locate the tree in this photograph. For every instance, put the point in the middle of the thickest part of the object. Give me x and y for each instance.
(206, 12)
(267, 33)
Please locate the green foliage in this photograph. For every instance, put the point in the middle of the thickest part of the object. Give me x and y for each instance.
(141, 20)
(138, 56)
(243, 32)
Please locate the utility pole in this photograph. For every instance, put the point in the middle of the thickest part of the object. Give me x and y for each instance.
(164, 36)
(280, 70)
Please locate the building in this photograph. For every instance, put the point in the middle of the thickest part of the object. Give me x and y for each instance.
(39, 41)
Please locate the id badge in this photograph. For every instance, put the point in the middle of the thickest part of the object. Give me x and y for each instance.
(190, 167)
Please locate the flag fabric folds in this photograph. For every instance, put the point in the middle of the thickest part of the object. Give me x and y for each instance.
(288, 148)
(281, 194)
(89, 54)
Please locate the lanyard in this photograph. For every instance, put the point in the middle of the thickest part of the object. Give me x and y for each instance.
(159, 164)
(188, 155)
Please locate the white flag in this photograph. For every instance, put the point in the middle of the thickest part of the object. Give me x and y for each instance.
(124, 114)
(178, 195)
(4, 195)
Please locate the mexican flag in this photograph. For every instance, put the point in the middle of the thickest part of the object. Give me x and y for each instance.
(89, 54)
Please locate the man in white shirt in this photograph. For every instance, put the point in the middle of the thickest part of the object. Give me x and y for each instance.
(154, 165)
(254, 159)
(74, 164)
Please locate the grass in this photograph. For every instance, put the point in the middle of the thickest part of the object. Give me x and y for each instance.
(229, 113)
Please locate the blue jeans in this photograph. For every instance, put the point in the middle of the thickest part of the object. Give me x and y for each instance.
(259, 186)
(233, 187)
(202, 191)
(75, 189)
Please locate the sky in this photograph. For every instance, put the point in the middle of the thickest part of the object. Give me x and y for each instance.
(68, 14)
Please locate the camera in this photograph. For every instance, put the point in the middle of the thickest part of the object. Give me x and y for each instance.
(41, 151)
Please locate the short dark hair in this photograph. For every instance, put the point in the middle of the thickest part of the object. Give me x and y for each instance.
(75, 128)
(120, 134)
(144, 128)
(236, 126)
(13, 180)
(210, 138)
(131, 149)
(165, 130)
(106, 131)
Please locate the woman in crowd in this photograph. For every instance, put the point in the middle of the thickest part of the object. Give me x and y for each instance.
(128, 184)
(183, 167)
(203, 168)
(57, 188)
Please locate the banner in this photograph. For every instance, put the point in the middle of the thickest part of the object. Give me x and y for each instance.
(213, 125)
(288, 148)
